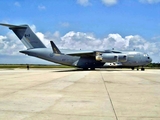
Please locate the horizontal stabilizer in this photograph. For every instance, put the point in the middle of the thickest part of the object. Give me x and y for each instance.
(13, 26)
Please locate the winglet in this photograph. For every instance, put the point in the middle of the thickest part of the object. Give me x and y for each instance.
(54, 48)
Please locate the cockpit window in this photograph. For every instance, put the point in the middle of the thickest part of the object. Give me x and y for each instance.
(145, 55)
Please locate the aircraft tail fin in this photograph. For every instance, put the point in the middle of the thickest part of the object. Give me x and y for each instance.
(55, 48)
(26, 35)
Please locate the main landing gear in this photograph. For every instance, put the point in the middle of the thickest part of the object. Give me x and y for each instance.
(88, 68)
(142, 69)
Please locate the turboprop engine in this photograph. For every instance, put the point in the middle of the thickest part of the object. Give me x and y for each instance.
(111, 57)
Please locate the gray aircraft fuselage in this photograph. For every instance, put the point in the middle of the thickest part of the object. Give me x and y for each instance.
(133, 59)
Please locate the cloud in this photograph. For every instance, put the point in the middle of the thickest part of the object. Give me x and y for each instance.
(33, 28)
(17, 4)
(87, 41)
(76, 40)
(150, 1)
(79, 40)
(83, 2)
(47, 37)
(10, 45)
(64, 24)
(109, 2)
(41, 7)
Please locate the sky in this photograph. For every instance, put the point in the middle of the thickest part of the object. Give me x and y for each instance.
(81, 24)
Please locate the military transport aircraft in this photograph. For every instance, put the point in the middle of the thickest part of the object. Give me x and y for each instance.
(81, 59)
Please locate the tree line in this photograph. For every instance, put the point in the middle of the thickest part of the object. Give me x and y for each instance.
(153, 65)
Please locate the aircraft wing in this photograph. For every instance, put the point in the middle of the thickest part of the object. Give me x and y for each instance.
(87, 52)
(79, 52)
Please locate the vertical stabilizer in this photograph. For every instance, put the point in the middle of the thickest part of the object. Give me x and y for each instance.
(26, 35)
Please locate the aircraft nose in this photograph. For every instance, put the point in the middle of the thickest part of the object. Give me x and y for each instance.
(149, 59)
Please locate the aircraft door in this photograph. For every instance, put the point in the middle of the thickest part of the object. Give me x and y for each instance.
(139, 58)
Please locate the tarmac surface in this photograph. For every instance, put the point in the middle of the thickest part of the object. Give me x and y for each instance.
(70, 94)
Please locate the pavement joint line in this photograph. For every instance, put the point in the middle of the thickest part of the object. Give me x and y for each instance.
(109, 96)
(30, 87)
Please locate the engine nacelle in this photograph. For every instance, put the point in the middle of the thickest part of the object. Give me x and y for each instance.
(110, 57)
(122, 57)
(98, 57)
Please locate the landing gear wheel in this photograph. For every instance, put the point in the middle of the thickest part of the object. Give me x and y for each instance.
(92, 68)
(142, 69)
(137, 69)
(85, 68)
(132, 68)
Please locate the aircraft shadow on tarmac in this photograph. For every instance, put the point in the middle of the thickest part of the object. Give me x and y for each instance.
(75, 70)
